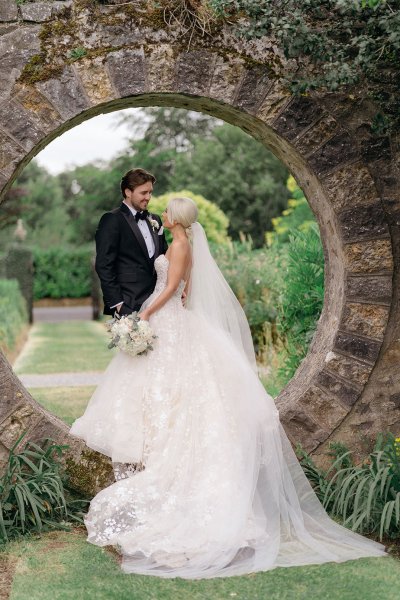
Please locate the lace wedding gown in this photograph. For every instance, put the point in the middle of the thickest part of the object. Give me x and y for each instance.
(219, 491)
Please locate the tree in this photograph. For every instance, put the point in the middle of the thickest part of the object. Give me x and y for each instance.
(239, 175)
(37, 198)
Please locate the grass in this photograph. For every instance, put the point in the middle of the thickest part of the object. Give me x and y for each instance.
(62, 565)
(67, 403)
(65, 347)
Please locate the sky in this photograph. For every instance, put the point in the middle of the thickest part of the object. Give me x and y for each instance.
(98, 138)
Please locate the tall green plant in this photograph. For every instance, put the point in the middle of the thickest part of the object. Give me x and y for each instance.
(32, 492)
(367, 497)
(302, 296)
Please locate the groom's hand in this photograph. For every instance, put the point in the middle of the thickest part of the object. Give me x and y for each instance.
(118, 308)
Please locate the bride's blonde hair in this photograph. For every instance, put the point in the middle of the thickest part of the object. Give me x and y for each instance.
(182, 210)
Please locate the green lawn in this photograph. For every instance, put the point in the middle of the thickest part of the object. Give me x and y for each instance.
(64, 348)
(67, 403)
(63, 565)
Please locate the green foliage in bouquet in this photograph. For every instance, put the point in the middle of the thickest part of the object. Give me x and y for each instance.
(13, 313)
(62, 272)
(34, 494)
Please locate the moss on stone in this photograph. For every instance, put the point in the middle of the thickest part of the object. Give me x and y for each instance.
(91, 472)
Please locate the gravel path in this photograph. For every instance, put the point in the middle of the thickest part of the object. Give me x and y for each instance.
(56, 314)
(61, 379)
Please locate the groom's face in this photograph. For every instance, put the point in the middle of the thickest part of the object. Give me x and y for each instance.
(140, 196)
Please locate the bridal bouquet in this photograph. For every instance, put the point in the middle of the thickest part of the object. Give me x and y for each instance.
(130, 334)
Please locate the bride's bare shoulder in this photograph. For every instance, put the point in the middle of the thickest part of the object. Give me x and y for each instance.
(180, 248)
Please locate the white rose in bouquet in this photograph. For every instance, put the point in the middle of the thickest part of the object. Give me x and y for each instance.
(130, 334)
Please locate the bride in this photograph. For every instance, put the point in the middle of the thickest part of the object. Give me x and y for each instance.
(207, 484)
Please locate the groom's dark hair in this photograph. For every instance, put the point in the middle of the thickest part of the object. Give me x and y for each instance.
(135, 177)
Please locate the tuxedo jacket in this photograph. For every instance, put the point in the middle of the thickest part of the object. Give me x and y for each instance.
(123, 264)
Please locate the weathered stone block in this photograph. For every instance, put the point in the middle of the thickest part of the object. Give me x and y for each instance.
(36, 11)
(342, 391)
(274, 102)
(253, 89)
(369, 257)
(347, 367)
(20, 419)
(377, 288)
(9, 151)
(317, 135)
(376, 149)
(44, 427)
(297, 116)
(127, 72)
(36, 103)
(16, 48)
(339, 150)
(95, 79)
(363, 349)
(66, 93)
(363, 221)
(365, 319)
(323, 408)
(21, 124)
(228, 73)
(160, 64)
(194, 71)
(350, 186)
(300, 427)
(8, 10)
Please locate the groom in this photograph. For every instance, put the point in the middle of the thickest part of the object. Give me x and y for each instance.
(128, 240)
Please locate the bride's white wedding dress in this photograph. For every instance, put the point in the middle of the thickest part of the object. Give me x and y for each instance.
(221, 492)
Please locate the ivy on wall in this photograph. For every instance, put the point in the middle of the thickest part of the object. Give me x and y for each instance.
(334, 43)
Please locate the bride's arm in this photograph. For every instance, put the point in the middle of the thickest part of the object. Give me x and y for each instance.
(176, 271)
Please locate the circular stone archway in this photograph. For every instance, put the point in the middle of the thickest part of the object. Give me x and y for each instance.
(348, 386)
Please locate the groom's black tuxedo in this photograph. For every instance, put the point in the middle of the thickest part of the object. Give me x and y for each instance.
(123, 264)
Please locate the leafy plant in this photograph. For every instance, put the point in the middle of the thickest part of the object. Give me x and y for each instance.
(32, 493)
(334, 43)
(13, 313)
(302, 296)
(367, 497)
(77, 53)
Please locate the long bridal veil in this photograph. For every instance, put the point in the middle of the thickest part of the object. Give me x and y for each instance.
(210, 295)
(297, 529)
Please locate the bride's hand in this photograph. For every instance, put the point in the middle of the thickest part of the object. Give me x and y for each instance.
(144, 316)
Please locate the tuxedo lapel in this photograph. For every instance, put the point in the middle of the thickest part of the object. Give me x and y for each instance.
(135, 229)
(154, 234)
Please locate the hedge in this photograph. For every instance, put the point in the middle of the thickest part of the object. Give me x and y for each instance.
(13, 313)
(62, 272)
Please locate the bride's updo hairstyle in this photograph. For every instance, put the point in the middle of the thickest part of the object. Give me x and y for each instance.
(183, 211)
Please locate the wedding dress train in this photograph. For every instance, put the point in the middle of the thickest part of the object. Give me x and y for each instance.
(220, 491)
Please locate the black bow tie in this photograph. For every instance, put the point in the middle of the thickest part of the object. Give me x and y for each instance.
(141, 215)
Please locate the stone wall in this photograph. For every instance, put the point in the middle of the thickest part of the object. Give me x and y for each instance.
(64, 62)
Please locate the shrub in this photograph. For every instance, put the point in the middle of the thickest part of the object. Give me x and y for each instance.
(214, 221)
(13, 313)
(32, 492)
(62, 272)
(367, 496)
(302, 296)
